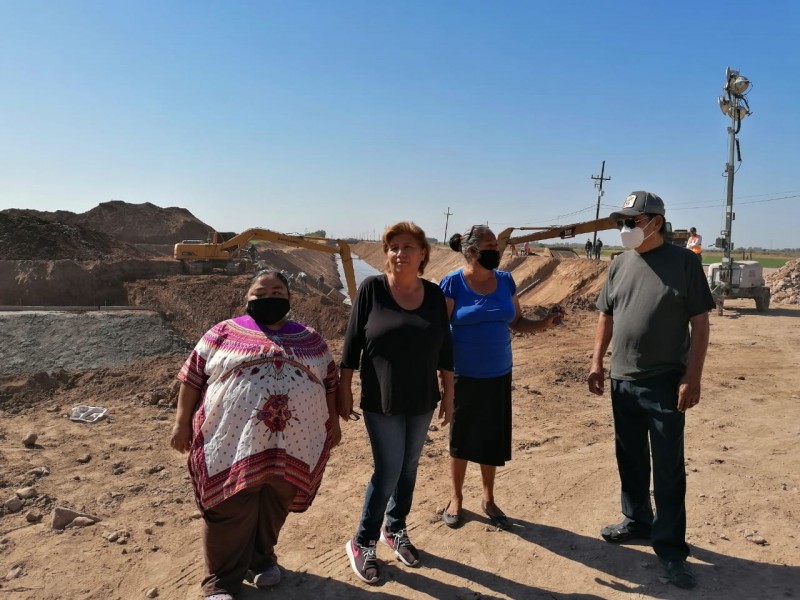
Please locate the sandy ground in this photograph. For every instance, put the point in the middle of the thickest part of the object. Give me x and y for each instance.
(743, 462)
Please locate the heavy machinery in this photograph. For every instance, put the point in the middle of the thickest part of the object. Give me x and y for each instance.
(679, 237)
(553, 231)
(746, 281)
(229, 252)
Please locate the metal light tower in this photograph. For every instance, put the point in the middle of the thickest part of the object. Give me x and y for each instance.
(733, 104)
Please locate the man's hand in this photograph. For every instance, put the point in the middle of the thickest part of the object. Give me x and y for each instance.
(596, 382)
(688, 393)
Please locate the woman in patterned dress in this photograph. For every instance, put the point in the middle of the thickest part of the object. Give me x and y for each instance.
(257, 414)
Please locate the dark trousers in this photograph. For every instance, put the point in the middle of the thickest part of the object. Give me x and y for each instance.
(397, 442)
(646, 420)
(240, 533)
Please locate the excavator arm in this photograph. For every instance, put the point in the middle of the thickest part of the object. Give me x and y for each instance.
(554, 231)
(230, 249)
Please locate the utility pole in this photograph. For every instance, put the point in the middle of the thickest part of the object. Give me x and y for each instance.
(447, 216)
(598, 183)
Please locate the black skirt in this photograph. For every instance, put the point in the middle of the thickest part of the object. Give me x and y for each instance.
(481, 428)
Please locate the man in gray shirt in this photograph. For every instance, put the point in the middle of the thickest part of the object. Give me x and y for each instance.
(654, 311)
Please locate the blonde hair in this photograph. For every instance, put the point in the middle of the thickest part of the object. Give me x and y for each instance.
(412, 229)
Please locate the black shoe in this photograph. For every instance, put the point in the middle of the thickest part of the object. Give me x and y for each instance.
(624, 532)
(452, 521)
(679, 573)
(497, 517)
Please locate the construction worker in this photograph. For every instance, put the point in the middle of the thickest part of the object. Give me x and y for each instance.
(695, 244)
(598, 248)
(588, 248)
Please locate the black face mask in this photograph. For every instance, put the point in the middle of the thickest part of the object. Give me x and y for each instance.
(489, 259)
(268, 311)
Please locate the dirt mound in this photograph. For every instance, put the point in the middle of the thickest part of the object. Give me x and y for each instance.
(193, 304)
(541, 281)
(135, 223)
(784, 283)
(32, 238)
(74, 283)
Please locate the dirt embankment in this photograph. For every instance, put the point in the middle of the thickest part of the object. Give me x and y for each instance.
(193, 304)
(75, 283)
(32, 238)
(143, 223)
(541, 281)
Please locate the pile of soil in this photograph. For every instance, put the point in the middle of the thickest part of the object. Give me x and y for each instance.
(134, 223)
(25, 237)
(194, 304)
(784, 283)
(541, 281)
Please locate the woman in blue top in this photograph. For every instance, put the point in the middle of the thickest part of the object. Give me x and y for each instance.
(483, 308)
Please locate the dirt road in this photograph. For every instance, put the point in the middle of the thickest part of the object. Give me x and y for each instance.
(743, 461)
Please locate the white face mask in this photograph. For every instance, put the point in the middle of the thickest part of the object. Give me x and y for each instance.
(631, 238)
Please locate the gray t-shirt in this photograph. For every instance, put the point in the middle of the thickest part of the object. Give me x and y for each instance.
(651, 297)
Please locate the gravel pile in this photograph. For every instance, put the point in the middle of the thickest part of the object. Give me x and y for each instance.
(81, 341)
(784, 283)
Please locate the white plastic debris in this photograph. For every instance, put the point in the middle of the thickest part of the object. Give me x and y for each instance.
(87, 414)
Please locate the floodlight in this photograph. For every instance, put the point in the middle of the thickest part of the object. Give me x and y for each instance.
(739, 85)
(738, 112)
(724, 105)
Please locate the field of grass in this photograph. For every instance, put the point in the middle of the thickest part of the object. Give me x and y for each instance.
(769, 261)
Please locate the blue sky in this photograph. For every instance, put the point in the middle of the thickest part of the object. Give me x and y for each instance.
(350, 115)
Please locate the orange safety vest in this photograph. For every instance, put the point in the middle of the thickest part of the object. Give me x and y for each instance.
(698, 249)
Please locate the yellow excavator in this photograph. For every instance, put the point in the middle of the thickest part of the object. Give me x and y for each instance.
(678, 237)
(230, 252)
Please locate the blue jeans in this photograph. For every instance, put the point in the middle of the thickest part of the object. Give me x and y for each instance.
(396, 442)
(647, 421)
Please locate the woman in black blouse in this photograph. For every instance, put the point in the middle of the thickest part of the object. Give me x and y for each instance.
(399, 335)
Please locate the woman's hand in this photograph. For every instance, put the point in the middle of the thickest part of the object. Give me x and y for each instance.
(446, 411)
(344, 401)
(336, 432)
(181, 439)
(446, 407)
